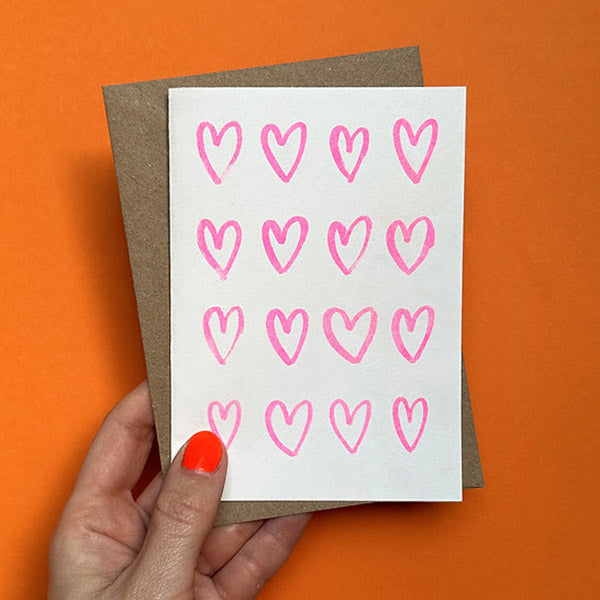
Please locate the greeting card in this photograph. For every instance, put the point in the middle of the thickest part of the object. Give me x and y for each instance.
(316, 268)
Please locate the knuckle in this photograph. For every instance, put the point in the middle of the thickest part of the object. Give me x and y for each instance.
(222, 592)
(138, 430)
(178, 511)
(262, 560)
(266, 557)
(255, 566)
(276, 543)
(238, 532)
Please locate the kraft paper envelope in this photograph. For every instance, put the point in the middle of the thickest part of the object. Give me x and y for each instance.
(137, 120)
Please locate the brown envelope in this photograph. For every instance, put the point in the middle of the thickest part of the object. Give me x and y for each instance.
(137, 119)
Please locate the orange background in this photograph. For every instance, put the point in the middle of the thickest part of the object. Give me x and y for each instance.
(69, 338)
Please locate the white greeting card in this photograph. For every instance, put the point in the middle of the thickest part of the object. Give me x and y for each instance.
(316, 268)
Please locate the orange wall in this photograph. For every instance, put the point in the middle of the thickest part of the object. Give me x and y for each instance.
(69, 338)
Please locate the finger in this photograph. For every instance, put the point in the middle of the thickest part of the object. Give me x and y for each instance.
(223, 543)
(182, 517)
(220, 545)
(119, 451)
(260, 558)
(148, 497)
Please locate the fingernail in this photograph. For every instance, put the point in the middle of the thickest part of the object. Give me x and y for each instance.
(203, 452)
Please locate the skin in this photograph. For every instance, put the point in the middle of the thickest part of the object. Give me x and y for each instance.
(162, 546)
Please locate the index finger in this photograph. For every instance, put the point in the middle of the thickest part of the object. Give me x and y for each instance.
(121, 447)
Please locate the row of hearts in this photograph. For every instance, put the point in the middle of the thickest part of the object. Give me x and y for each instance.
(349, 418)
(336, 229)
(287, 323)
(334, 143)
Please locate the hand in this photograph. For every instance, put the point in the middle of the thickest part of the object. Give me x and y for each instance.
(162, 546)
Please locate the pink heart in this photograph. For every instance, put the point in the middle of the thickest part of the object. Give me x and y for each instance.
(289, 419)
(409, 410)
(411, 321)
(281, 141)
(218, 237)
(223, 321)
(349, 325)
(413, 138)
(334, 145)
(407, 236)
(349, 418)
(340, 229)
(286, 324)
(271, 226)
(223, 415)
(217, 138)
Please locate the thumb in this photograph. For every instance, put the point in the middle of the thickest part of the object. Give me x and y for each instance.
(182, 517)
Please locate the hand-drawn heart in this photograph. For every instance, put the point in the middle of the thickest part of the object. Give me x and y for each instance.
(411, 321)
(223, 416)
(334, 145)
(407, 236)
(280, 235)
(413, 138)
(217, 138)
(223, 322)
(349, 325)
(286, 324)
(289, 420)
(218, 238)
(340, 229)
(349, 419)
(409, 411)
(282, 141)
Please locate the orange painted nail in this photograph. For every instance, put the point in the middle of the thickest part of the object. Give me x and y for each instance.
(203, 452)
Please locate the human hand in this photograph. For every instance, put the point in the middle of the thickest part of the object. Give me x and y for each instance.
(162, 546)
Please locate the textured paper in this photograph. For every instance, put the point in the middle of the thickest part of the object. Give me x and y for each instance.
(316, 274)
(137, 119)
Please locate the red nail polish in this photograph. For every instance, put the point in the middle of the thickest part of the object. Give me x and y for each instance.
(203, 452)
